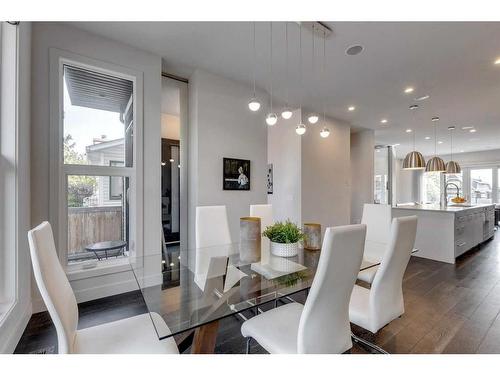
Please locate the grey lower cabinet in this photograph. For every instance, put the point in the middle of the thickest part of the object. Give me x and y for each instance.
(473, 227)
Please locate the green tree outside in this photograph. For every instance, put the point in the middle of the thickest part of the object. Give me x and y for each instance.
(79, 187)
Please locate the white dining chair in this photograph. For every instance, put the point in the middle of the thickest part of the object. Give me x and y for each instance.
(131, 335)
(377, 218)
(375, 307)
(265, 212)
(213, 239)
(322, 324)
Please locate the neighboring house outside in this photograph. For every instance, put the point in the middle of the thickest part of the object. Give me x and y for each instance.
(109, 189)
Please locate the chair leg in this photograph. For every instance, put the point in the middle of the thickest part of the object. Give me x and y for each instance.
(249, 339)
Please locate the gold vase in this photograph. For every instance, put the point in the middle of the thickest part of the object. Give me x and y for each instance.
(312, 236)
(250, 239)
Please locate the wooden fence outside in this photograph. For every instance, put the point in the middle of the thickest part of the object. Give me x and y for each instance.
(87, 225)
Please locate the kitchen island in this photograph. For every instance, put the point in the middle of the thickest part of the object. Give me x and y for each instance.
(446, 232)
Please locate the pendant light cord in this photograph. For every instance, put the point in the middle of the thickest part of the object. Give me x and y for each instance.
(300, 67)
(271, 55)
(286, 63)
(312, 56)
(435, 140)
(324, 76)
(414, 123)
(451, 144)
(254, 60)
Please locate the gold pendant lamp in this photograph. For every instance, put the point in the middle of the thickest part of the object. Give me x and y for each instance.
(452, 167)
(435, 164)
(414, 159)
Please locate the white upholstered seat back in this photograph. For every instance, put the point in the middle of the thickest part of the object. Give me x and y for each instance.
(386, 293)
(324, 323)
(212, 240)
(377, 218)
(265, 212)
(54, 285)
(212, 226)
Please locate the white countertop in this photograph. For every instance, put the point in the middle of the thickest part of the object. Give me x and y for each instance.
(449, 208)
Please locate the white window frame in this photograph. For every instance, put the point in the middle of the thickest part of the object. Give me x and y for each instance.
(58, 210)
(9, 136)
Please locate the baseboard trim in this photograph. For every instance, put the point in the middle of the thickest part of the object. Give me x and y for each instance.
(9, 344)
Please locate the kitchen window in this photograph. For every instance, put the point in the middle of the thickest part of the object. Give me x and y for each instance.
(431, 187)
(481, 186)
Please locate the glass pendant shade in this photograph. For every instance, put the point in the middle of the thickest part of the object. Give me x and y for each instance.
(286, 114)
(313, 118)
(271, 119)
(324, 133)
(435, 164)
(300, 129)
(254, 104)
(453, 167)
(414, 160)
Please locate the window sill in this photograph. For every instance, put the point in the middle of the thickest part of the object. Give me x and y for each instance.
(106, 267)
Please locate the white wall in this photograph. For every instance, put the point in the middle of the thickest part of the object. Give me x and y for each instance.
(220, 125)
(475, 158)
(362, 166)
(170, 126)
(407, 183)
(15, 321)
(284, 152)
(47, 35)
(326, 175)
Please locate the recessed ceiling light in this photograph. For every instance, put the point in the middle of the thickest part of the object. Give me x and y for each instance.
(351, 108)
(462, 151)
(440, 142)
(354, 50)
(497, 61)
(467, 127)
(413, 106)
(427, 137)
(383, 121)
(408, 90)
(435, 118)
(396, 144)
(472, 130)
(408, 130)
(420, 98)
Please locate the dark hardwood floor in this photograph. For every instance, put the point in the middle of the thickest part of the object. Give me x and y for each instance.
(448, 309)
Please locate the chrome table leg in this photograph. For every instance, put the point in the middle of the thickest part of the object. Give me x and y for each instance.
(368, 344)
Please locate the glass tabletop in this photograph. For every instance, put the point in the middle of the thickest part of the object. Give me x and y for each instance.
(189, 288)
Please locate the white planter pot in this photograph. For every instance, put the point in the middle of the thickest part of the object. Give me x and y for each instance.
(284, 249)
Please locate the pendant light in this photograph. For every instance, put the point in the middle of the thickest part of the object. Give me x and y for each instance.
(271, 118)
(286, 113)
(325, 132)
(254, 104)
(452, 167)
(301, 128)
(435, 164)
(313, 117)
(414, 159)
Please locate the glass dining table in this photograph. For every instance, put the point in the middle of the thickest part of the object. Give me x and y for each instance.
(192, 289)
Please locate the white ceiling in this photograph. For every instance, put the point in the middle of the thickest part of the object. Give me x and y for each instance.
(452, 62)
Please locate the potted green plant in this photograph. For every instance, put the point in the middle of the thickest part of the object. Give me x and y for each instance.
(284, 237)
